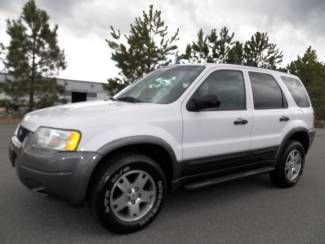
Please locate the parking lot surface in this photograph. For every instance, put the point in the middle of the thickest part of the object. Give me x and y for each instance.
(250, 210)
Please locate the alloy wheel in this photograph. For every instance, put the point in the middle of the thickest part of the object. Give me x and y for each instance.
(293, 165)
(133, 195)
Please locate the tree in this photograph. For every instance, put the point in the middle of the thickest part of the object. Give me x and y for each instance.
(312, 72)
(2, 58)
(220, 45)
(307, 67)
(33, 58)
(2, 48)
(212, 48)
(144, 49)
(198, 51)
(235, 54)
(259, 52)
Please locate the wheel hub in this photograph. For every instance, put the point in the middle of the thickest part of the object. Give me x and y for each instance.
(133, 195)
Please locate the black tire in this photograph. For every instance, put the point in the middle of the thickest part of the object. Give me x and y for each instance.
(279, 176)
(101, 191)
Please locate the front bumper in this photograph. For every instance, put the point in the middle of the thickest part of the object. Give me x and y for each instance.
(64, 175)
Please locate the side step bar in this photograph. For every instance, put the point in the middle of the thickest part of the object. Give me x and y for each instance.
(217, 180)
(40, 191)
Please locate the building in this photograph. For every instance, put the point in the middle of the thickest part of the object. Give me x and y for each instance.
(78, 91)
(75, 90)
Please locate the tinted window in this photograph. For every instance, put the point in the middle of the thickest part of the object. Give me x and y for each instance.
(297, 91)
(228, 86)
(266, 91)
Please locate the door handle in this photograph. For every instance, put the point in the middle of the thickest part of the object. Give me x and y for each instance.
(284, 118)
(240, 121)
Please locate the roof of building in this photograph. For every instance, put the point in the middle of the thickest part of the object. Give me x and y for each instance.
(3, 75)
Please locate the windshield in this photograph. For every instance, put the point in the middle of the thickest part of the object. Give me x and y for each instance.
(162, 86)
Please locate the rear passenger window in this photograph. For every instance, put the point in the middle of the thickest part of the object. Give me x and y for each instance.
(266, 92)
(297, 91)
(228, 86)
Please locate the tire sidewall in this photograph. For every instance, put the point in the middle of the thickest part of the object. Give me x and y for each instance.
(106, 215)
(291, 146)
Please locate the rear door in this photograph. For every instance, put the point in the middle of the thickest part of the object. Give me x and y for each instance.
(271, 113)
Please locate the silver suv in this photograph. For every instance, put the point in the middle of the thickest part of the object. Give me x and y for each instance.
(184, 125)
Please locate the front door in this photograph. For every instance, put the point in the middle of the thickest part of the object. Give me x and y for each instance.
(221, 131)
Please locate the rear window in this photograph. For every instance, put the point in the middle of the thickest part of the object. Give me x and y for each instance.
(297, 91)
(267, 93)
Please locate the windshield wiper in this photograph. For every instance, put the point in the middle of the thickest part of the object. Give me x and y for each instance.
(127, 99)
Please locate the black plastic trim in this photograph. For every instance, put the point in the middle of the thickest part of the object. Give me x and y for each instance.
(312, 134)
(136, 140)
(217, 180)
(226, 164)
(251, 155)
(290, 134)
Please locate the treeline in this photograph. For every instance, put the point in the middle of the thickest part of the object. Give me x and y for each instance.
(33, 58)
(149, 45)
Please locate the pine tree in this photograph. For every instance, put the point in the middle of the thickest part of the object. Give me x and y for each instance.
(2, 48)
(147, 47)
(235, 54)
(196, 52)
(33, 57)
(307, 67)
(220, 45)
(212, 48)
(259, 52)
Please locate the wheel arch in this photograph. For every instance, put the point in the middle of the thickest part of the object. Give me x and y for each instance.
(153, 147)
(299, 134)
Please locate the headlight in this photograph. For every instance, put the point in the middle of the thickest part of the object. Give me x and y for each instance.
(62, 140)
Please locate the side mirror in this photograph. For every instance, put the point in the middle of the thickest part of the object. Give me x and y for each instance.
(204, 102)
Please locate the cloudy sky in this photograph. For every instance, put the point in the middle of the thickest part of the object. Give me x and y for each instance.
(83, 25)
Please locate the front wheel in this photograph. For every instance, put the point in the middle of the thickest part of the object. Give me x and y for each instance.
(129, 193)
(290, 165)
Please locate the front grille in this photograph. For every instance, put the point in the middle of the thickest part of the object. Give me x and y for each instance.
(22, 133)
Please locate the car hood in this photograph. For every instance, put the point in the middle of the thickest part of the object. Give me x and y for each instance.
(75, 116)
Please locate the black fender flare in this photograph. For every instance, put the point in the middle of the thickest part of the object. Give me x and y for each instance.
(288, 135)
(134, 140)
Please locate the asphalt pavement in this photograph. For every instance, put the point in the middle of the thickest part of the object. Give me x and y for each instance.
(250, 210)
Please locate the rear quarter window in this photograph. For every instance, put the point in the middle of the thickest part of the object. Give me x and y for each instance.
(297, 90)
(267, 93)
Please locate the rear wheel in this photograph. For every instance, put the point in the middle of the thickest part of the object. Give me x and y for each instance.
(290, 165)
(128, 193)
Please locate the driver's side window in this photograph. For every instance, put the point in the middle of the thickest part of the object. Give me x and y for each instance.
(229, 88)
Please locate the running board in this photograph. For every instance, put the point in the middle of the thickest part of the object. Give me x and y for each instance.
(40, 191)
(217, 180)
